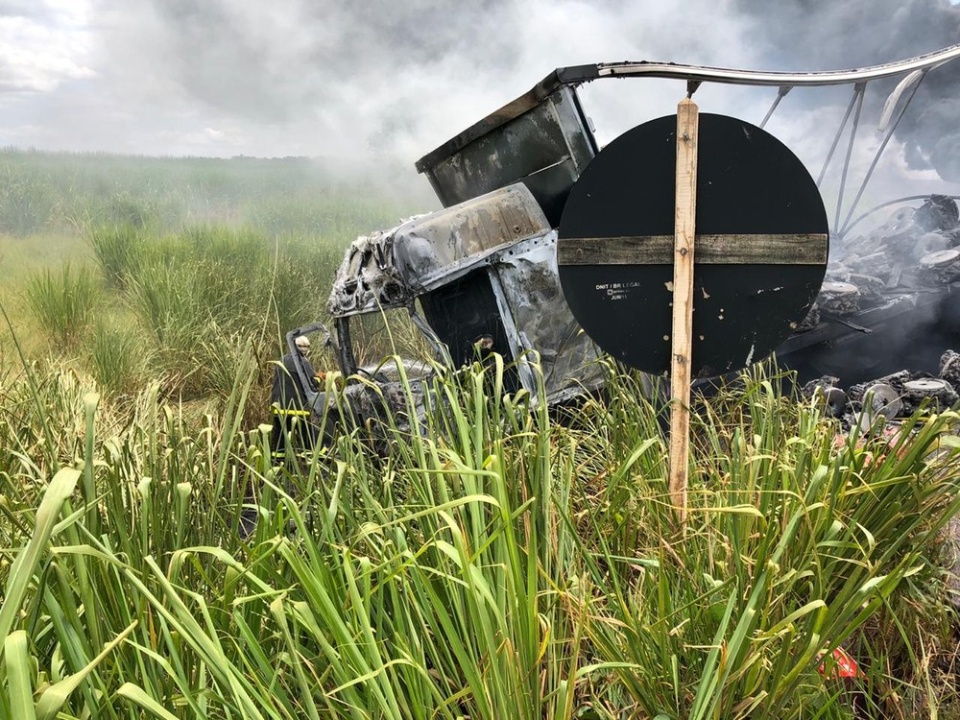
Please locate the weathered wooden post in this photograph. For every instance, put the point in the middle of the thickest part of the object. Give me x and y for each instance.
(688, 125)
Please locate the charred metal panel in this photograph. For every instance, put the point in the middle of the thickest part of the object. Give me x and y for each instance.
(386, 403)
(391, 268)
(463, 311)
(368, 278)
(530, 284)
(486, 276)
(545, 147)
(466, 316)
(566, 76)
(432, 243)
(551, 187)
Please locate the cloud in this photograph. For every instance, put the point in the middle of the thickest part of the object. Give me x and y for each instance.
(42, 44)
(375, 78)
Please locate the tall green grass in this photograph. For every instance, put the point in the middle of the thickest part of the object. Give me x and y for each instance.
(489, 564)
(793, 543)
(186, 308)
(26, 203)
(116, 358)
(65, 303)
(118, 250)
(266, 235)
(207, 297)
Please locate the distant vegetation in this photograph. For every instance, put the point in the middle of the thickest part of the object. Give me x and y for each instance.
(60, 192)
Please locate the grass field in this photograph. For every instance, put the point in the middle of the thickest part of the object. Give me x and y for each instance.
(501, 562)
(135, 270)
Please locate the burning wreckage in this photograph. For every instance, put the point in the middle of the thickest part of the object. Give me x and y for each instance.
(480, 276)
(887, 317)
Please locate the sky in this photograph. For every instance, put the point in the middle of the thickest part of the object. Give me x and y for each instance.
(372, 79)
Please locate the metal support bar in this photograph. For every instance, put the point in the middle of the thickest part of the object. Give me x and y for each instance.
(836, 138)
(781, 94)
(876, 158)
(888, 203)
(860, 89)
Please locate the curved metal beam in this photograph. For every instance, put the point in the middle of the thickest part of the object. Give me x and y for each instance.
(779, 79)
(889, 130)
(911, 198)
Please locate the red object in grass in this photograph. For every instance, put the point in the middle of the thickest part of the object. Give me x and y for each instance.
(844, 666)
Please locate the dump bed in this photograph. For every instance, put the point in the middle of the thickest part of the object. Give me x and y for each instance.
(542, 139)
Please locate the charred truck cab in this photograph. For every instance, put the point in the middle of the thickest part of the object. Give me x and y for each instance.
(481, 274)
(477, 278)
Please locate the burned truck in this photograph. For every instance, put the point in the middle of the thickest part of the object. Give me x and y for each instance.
(480, 276)
(473, 280)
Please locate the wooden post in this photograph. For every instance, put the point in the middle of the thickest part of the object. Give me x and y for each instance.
(688, 122)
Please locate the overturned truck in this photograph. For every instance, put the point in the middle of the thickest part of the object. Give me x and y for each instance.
(480, 276)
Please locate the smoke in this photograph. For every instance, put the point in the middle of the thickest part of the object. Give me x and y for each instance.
(377, 77)
(812, 34)
(382, 81)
